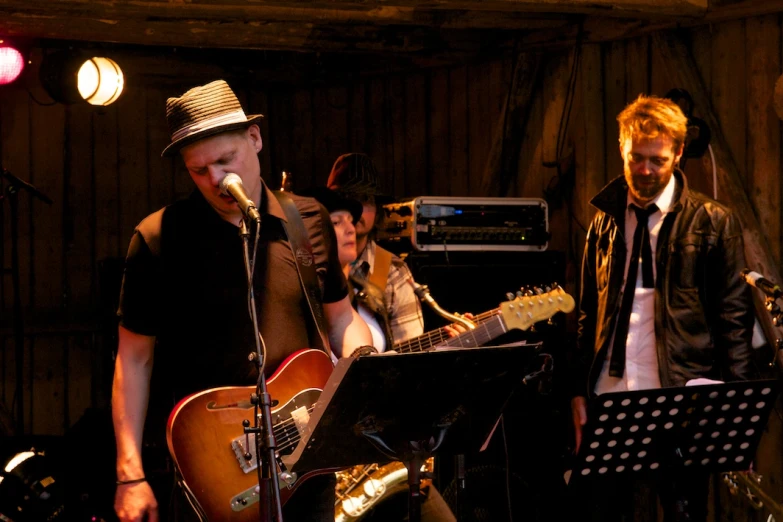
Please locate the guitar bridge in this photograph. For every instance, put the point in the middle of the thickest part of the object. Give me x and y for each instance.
(238, 445)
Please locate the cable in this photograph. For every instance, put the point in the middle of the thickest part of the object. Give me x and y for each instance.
(554, 187)
(30, 93)
(714, 174)
(508, 467)
(566, 116)
(250, 291)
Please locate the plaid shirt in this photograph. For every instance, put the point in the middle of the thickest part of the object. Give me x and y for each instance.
(405, 317)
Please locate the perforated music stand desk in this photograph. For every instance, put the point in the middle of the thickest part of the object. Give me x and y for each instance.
(714, 427)
(405, 407)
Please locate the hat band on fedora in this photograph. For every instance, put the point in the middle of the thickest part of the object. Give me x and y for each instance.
(210, 123)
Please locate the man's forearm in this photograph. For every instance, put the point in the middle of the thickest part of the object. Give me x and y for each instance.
(130, 395)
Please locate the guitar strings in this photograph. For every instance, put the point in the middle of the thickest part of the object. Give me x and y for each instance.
(435, 337)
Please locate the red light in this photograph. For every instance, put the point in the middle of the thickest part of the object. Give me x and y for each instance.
(11, 64)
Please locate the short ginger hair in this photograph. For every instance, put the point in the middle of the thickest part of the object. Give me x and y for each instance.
(648, 117)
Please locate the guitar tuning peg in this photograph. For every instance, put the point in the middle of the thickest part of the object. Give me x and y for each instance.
(520, 295)
(509, 296)
(550, 322)
(539, 291)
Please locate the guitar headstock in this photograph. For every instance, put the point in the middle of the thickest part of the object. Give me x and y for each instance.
(532, 306)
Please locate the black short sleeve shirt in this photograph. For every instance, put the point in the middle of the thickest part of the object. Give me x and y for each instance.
(185, 283)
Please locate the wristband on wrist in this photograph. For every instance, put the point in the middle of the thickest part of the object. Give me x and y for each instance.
(132, 481)
(364, 350)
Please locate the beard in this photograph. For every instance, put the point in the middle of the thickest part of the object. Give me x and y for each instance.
(644, 188)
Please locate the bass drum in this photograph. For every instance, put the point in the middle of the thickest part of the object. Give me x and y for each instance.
(374, 493)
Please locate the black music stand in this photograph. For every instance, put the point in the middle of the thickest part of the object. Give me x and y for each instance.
(406, 407)
(713, 427)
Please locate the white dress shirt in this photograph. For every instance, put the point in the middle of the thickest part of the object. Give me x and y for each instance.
(641, 356)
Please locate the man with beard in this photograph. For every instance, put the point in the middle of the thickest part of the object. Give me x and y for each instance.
(662, 301)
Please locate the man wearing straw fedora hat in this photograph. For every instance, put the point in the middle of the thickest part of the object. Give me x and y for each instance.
(185, 292)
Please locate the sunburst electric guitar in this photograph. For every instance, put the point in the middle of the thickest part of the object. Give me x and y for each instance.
(205, 431)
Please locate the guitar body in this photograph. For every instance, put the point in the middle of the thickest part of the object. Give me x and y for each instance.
(206, 438)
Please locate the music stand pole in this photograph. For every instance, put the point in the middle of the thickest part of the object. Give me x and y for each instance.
(413, 456)
(459, 491)
(266, 446)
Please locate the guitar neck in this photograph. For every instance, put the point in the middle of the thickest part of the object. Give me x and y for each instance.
(519, 313)
(439, 336)
(484, 332)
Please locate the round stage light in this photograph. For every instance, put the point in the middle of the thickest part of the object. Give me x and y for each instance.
(73, 77)
(100, 81)
(11, 64)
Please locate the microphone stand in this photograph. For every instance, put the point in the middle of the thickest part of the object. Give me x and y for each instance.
(266, 446)
(12, 194)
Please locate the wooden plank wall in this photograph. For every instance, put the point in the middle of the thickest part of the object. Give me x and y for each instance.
(102, 167)
(429, 132)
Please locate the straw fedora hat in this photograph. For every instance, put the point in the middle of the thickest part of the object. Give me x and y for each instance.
(202, 112)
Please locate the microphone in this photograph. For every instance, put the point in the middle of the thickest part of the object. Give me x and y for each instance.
(759, 281)
(232, 186)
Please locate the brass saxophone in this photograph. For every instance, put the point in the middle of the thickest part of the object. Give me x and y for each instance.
(748, 485)
(361, 488)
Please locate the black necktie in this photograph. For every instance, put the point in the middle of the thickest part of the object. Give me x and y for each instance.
(641, 247)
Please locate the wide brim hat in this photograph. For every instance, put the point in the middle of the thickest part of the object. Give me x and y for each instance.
(202, 112)
(334, 201)
(355, 173)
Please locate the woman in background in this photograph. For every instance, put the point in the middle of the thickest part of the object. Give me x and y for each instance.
(367, 299)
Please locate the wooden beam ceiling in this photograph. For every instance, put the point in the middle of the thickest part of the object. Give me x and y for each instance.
(600, 29)
(394, 26)
(418, 30)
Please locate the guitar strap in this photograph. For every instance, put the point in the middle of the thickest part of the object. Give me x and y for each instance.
(297, 239)
(381, 267)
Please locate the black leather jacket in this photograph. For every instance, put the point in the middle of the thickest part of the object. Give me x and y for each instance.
(703, 309)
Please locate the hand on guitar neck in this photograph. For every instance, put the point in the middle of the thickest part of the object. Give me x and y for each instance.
(518, 313)
(455, 329)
